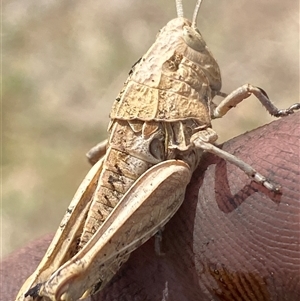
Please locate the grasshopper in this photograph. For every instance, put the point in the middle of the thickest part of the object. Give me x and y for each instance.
(160, 127)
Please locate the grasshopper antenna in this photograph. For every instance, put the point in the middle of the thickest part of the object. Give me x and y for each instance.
(195, 15)
(179, 8)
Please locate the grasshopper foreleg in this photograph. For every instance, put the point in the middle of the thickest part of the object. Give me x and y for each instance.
(97, 152)
(234, 98)
(201, 140)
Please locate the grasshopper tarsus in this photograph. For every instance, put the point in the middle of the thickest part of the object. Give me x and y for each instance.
(273, 187)
(288, 111)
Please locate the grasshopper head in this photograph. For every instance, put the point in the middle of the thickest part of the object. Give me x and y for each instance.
(197, 49)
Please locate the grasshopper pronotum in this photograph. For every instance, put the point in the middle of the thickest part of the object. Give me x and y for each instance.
(160, 126)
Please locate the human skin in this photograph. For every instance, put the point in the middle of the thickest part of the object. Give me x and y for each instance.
(231, 239)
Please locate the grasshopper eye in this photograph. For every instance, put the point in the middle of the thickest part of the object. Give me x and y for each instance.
(193, 39)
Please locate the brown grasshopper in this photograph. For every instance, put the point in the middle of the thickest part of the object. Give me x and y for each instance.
(160, 127)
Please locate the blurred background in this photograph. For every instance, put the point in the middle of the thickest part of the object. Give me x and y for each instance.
(64, 62)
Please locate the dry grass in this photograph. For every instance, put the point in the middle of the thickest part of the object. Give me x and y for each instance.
(65, 61)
